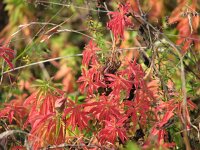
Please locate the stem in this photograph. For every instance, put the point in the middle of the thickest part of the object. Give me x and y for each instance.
(68, 5)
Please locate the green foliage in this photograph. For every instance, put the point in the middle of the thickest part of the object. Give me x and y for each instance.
(131, 146)
(43, 86)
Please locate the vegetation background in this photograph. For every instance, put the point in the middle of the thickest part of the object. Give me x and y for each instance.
(47, 39)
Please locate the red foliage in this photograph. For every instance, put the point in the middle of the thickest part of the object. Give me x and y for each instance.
(137, 73)
(43, 104)
(14, 110)
(112, 130)
(89, 53)
(119, 20)
(91, 78)
(156, 8)
(187, 24)
(7, 54)
(117, 102)
(46, 129)
(89, 81)
(18, 148)
(165, 112)
(138, 109)
(46, 126)
(160, 137)
(107, 108)
(118, 83)
(77, 116)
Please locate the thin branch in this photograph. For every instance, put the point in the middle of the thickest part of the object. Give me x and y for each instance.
(68, 5)
(187, 38)
(44, 61)
(64, 57)
(190, 38)
(139, 7)
(112, 38)
(23, 26)
(2, 68)
(65, 145)
(75, 31)
(11, 132)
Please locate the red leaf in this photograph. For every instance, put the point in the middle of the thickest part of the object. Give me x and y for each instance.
(137, 72)
(76, 116)
(165, 119)
(119, 21)
(7, 54)
(44, 127)
(191, 104)
(41, 121)
(18, 148)
(89, 53)
(14, 109)
(90, 80)
(106, 109)
(113, 129)
(45, 103)
(118, 83)
(186, 30)
(60, 102)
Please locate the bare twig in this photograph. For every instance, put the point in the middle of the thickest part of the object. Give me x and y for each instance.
(2, 68)
(139, 7)
(23, 26)
(64, 57)
(75, 31)
(65, 145)
(11, 132)
(36, 63)
(68, 5)
(112, 38)
(188, 38)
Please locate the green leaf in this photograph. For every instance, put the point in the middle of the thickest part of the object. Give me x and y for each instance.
(131, 146)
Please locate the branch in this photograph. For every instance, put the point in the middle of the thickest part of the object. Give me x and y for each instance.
(68, 5)
(64, 57)
(65, 145)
